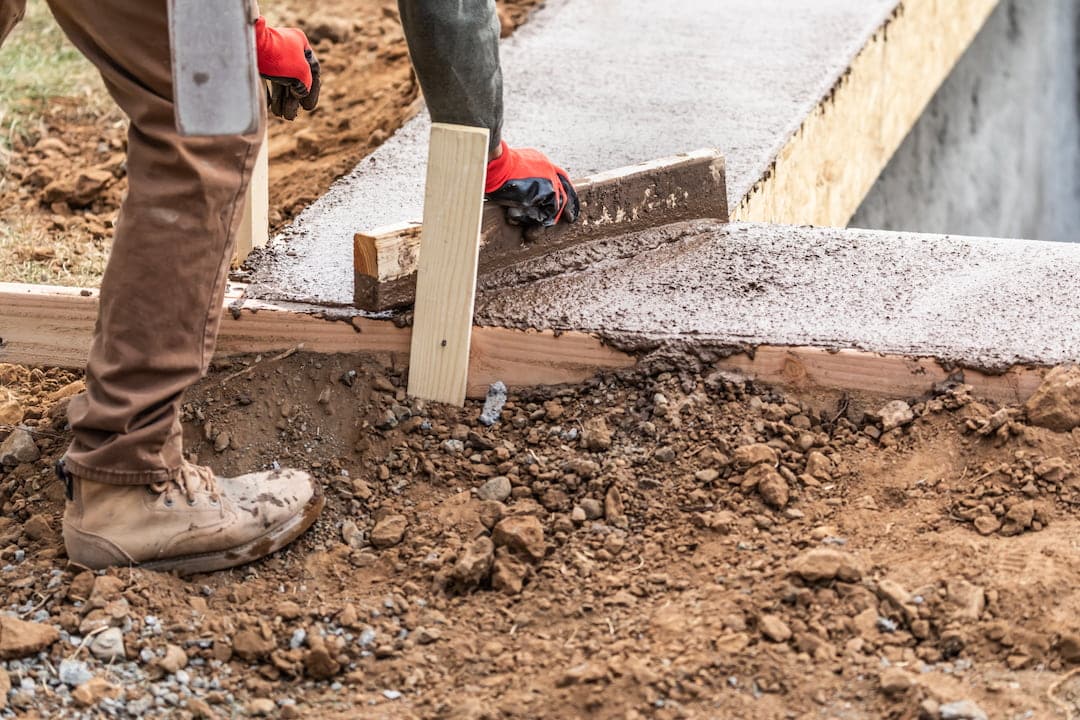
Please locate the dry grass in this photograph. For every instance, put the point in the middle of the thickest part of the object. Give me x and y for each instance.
(30, 254)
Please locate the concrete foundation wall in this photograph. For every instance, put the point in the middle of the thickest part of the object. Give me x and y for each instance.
(997, 152)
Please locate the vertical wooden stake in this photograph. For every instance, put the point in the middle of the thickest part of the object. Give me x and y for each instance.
(254, 229)
(446, 270)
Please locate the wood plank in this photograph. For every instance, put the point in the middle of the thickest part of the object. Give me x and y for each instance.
(659, 192)
(254, 230)
(446, 270)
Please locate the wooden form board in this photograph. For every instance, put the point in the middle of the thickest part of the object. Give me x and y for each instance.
(446, 270)
(683, 187)
(254, 231)
(827, 167)
(52, 326)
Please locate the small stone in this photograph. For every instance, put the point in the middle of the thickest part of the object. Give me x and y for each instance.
(261, 707)
(497, 488)
(11, 410)
(389, 531)
(968, 599)
(5, 687)
(361, 489)
(493, 404)
(508, 573)
(37, 527)
(108, 645)
(1018, 518)
(1069, 647)
(18, 447)
(707, 476)
(595, 435)
(774, 628)
(1055, 404)
(73, 672)
(521, 533)
(594, 509)
(614, 512)
(757, 454)
(93, 691)
(665, 454)
(819, 466)
(962, 710)
(771, 486)
(1053, 470)
(474, 564)
(288, 609)
(221, 443)
(250, 645)
(821, 564)
(21, 638)
(352, 535)
(895, 681)
(894, 414)
(577, 515)
(987, 524)
(553, 410)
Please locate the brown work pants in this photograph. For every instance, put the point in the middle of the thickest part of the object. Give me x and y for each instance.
(162, 294)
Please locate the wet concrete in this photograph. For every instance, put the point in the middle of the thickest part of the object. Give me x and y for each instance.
(997, 151)
(979, 302)
(602, 84)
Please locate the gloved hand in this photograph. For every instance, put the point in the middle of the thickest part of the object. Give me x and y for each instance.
(532, 188)
(285, 59)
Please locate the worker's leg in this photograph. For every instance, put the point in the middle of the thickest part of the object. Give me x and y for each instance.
(133, 497)
(454, 46)
(162, 291)
(11, 12)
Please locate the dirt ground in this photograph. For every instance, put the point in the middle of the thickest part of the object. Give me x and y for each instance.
(658, 543)
(65, 175)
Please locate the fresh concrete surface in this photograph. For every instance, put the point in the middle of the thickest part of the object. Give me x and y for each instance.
(601, 84)
(980, 302)
(998, 150)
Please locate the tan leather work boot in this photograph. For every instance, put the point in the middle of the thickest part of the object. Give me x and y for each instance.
(196, 523)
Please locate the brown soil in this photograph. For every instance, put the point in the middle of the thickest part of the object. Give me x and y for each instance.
(934, 563)
(66, 176)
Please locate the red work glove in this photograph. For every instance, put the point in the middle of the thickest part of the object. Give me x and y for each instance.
(285, 59)
(532, 188)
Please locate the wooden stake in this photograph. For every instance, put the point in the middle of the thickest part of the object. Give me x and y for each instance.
(254, 229)
(449, 254)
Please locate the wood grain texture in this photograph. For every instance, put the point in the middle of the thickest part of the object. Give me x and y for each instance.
(684, 187)
(254, 231)
(446, 269)
(829, 164)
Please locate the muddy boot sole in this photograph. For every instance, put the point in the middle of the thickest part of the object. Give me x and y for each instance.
(260, 547)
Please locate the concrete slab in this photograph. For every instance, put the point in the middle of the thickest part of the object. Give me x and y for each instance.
(978, 302)
(601, 84)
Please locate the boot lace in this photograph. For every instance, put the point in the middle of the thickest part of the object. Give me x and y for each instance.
(190, 479)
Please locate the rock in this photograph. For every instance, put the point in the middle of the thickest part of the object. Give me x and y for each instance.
(327, 27)
(707, 475)
(106, 588)
(69, 390)
(261, 707)
(969, 600)
(893, 415)
(819, 466)
(962, 710)
(772, 488)
(521, 534)
(222, 442)
(987, 524)
(1018, 518)
(1053, 470)
(508, 573)
(1069, 647)
(21, 638)
(774, 628)
(474, 564)
(361, 489)
(37, 527)
(352, 535)
(174, 659)
(389, 531)
(497, 488)
(595, 435)
(251, 645)
(199, 708)
(594, 509)
(895, 681)
(614, 512)
(108, 645)
(5, 687)
(11, 410)
(94, 691)
(821, 564)
(490, 513)
(1055, 404)
(493, 404)
(553, 410)
(18, 448)
(757, 454)
(73, 672)
(319, 665)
